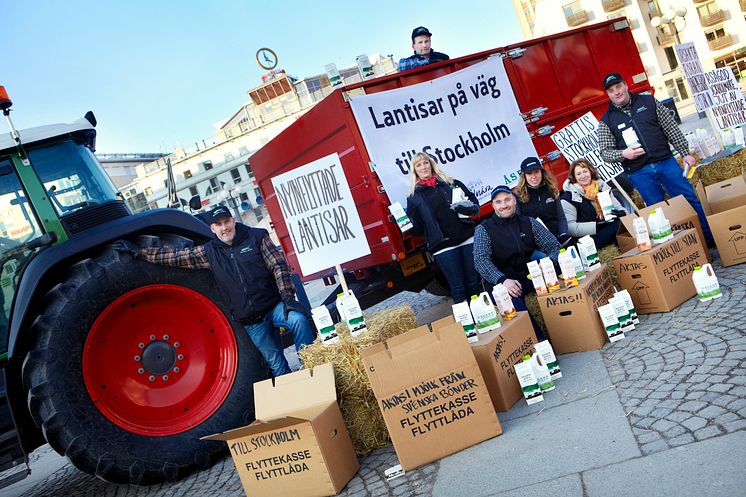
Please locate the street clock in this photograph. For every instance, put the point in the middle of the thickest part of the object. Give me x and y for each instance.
(266, 58)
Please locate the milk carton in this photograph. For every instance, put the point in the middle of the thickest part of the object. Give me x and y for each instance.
(325, 325)
(545, 350)
(483, 312)
(458, 195)
(537, 278)
(541, 371)
(630, 305)
(660, 228)
(588, 253)
(402, 220)
(567, 266)
(353, 314)
(504, 302)
(579, 269)
(611, 322)
(550, 276)
(528, 382)
(622, 313)
(604, 200)
(640, 232)
(706, 283)
(629, 135)
(462, 314)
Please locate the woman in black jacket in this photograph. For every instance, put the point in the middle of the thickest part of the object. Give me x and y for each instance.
(439, 207)
(538, 196)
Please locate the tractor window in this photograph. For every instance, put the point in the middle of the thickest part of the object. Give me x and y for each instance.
(72, 176)
(18, 225)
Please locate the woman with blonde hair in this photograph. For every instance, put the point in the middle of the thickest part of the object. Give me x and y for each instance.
(439, 207)
(538, 197)
(582, 208)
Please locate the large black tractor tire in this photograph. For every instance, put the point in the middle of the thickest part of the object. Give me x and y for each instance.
(61, 402)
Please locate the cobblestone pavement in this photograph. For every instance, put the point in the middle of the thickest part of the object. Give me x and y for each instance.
(682, 377)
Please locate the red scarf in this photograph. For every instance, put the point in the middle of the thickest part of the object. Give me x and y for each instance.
(429, 181)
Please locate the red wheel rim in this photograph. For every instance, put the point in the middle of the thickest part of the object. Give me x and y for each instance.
(160, 360)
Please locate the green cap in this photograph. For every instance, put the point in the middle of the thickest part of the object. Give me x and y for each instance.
(562, 250)
(526, 358)
(474, 297)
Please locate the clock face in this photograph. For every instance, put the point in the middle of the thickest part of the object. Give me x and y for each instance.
(266, 58)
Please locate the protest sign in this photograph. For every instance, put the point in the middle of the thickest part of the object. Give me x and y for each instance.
(694, 74)
(578, 139)
(468, 120)
(320, 215)
(729, 106)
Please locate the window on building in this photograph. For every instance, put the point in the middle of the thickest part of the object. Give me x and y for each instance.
(243, 150)
(714, 34)
(148, 191)
(133, 191)
(677, 89)
(244, 196)
(207, 165)
(228, 156)
(707, 9)
(653, 8)
(673, 62)
(236, 175)
(214, 184)
(193, 191)
(249, 172)
(187, 174)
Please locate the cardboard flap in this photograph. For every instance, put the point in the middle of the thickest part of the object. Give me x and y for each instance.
(675, 209)
(727, 194)
(255, 427)
(443, 322)
(282, 396)
(700, 191)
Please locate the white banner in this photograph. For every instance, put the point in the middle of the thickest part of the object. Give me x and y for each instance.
(695, 75)
(320, 214)
(468, 120)
(578, 139)
(729, 106)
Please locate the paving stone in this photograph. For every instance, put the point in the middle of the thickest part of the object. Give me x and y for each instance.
(692, 405)
(652, 447)
(694, 423)
(711, 412)
(707, 432)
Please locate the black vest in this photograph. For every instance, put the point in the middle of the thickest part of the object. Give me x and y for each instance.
(512, 242)
(586, 210)
(542, 205)
(644, 119)
(243, 278)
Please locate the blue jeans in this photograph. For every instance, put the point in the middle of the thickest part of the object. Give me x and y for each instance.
(457, 266)
(652, 178)
(267, 340)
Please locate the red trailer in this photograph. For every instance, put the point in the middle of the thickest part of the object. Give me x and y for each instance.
(556, 79)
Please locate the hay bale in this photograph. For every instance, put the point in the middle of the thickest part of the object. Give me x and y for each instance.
(356, 400)
(721, 169)
(607, 256)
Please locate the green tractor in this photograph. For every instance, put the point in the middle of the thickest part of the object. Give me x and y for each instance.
(118, 364)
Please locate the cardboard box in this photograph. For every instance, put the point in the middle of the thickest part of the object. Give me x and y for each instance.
(724, 204)
(496, 353)
(431, 394)
(677, 210)
(299, 444)
(571, 317)
(660, 279)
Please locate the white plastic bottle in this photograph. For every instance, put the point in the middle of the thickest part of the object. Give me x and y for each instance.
(579, 269)
(485, 316)
(325, 325)
(706, 283)
(504, 302)
(550, 275)
(660, 228)
(462, 314)
(541, 371)
(640, 232)
(567, 266)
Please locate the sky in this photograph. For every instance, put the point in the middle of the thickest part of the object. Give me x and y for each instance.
(159, 73)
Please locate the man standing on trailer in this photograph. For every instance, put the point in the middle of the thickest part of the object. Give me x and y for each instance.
(423, 53)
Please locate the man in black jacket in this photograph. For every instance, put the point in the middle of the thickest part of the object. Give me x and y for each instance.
(423, 53)
(253, 277)
(504, 244)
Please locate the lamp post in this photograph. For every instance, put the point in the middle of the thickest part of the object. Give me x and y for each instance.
(231, 196)
(670, 17)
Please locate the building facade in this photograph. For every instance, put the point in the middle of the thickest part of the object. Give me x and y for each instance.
(218, 169)
(716, 27)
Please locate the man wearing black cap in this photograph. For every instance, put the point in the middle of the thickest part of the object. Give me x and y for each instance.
(423, 54)
(638, 131)
(253, 278)
(504, 244)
